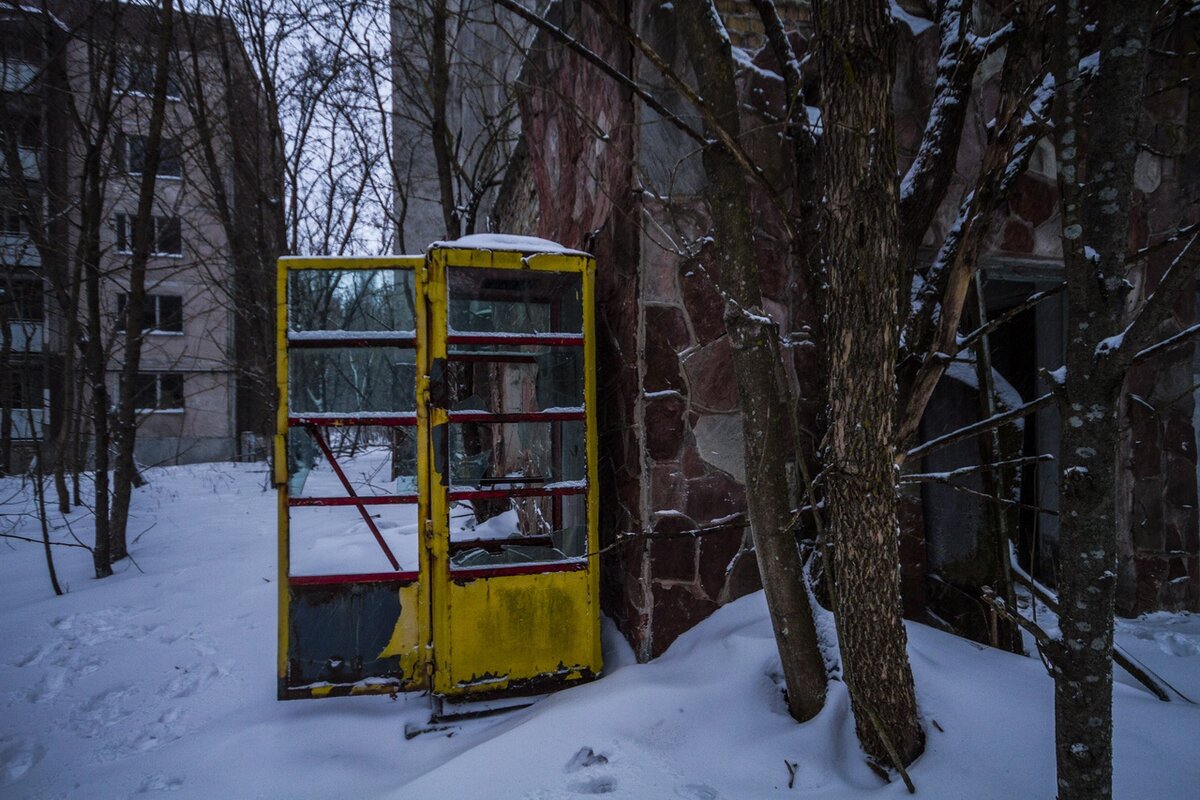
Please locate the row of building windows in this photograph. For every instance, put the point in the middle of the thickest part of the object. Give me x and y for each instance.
(166, 237)
(129, 152)
(154, 391)
(161, 313)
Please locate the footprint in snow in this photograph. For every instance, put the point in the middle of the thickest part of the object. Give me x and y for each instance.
(696, 791)
(1174, 644)
(160, 783)
(17, 757)
(597, 785)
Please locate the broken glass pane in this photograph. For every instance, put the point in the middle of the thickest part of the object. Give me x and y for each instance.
(350, 380)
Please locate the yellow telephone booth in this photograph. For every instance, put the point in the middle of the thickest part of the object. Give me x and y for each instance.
(435, 465)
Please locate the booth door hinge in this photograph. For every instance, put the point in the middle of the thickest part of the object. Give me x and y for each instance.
(428, 530)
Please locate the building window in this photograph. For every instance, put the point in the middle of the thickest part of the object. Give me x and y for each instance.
(22, 388)
(161, 313)
(159, 391)
(29, 131)
(13, 222)
(20, 44)
(131, 156)
(22, 301)
(165, 241)
(135, 76)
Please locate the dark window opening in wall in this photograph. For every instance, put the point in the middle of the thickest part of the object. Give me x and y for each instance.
(131, 156)
(13, 222)
(161, 313)
(22, 301)
(22, 388)
(20, 44)
(158, 391)
(135, 76)
(166, 239)
(28, 127)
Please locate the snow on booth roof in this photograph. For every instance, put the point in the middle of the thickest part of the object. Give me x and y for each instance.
(510, 242)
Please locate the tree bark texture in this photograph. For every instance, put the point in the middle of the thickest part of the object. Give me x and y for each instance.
(855, 52)
(1096, 193)
(766, 424)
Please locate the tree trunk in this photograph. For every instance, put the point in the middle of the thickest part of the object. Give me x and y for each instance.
(766, 422)
(855, 52)
(1096, 193)
(125, 474)
(96, 361)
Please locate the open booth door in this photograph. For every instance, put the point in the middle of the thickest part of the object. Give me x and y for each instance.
(348, 457)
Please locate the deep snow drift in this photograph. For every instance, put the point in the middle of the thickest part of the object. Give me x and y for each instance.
(162, 680)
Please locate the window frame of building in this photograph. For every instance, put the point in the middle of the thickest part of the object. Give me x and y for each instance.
(160, 310)
(123, 223)
(130, 159)
(13, 222)
(162, 393)
(26, 302)
(135, 76)
(17, 45)
(30, 135)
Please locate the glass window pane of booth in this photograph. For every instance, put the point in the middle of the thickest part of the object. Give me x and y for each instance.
(514, 302)
(514, 379)
(350, 380)
(352, 300)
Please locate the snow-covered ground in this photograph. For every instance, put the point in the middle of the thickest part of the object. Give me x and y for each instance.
(162, 679)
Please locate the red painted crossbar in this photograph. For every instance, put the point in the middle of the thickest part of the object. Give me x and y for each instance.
(518, 340)
(470, 573)
(362, 509)
(366, 577)
(366, 340)
(383, 500)
(520, 416)
(344, 420)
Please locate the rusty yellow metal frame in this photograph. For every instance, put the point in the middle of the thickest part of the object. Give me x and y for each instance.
(285, 267)
(532, 630)
(483, 647)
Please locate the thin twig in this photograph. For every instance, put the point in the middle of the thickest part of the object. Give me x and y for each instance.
(39, 541)
(996, 322)
(943, 477)
(982, 426)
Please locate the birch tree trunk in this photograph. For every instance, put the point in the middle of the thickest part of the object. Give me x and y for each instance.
(765, 418)
(861, 245)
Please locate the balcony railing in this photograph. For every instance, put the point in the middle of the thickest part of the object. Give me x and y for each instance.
(18, 250)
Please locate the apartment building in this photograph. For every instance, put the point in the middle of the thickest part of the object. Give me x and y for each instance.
(77, 84)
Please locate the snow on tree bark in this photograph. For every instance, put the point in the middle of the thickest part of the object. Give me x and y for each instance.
(1096, 191)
